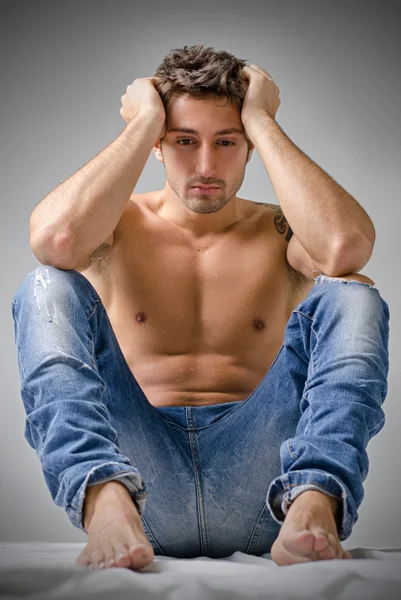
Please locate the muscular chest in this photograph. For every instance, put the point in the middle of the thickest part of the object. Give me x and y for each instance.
(166, 294)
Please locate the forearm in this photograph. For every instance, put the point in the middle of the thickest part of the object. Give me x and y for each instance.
(322, 215)
(84, 210)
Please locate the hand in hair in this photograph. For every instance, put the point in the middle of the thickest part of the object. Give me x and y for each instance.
(143, 97)
(262, 94)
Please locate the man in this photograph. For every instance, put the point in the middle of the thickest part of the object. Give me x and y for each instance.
(241, 341)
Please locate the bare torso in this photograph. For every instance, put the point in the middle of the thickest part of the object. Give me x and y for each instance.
(199, 322)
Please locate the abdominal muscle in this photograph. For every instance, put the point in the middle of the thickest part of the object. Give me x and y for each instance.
(199, 379)
(196, 325)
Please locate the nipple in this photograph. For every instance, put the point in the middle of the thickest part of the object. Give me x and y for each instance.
(140, 317)
(258, 324)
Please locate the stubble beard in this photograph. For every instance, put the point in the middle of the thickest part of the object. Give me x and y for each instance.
(204, 204)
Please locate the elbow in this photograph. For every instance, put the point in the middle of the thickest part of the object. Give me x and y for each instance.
(51, 250)
(351, 257)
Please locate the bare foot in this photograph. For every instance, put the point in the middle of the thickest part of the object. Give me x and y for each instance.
(309, 532)
(115, 533)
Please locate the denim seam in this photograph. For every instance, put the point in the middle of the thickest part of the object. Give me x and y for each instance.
(91, 342)
(256, 530)
(315, 348)
(290, 450)
(312, 329)
(108, 415)
(152, 536)
(92, 353)
(94, 309)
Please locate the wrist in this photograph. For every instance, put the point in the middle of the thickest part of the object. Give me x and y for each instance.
(258, 120)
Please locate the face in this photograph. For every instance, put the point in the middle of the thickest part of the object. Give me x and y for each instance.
(205, 155)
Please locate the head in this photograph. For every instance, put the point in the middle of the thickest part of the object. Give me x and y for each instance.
(202, 90)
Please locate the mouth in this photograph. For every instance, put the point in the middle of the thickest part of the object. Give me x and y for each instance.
(203, 189)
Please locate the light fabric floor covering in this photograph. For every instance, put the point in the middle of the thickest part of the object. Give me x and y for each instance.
(46, 571)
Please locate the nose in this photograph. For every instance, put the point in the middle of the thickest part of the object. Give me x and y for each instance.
(206, 161)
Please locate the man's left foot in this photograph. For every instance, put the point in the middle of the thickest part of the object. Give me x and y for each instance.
(309, 532)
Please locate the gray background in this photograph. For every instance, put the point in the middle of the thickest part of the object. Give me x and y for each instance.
(64, 67)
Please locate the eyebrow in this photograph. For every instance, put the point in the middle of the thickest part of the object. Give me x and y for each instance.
(221, 132)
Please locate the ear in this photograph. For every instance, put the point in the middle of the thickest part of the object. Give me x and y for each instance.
(158, 152)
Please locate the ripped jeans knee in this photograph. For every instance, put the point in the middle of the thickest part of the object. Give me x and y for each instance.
(349, 277)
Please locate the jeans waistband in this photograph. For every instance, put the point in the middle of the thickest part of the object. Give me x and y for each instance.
(197, 417)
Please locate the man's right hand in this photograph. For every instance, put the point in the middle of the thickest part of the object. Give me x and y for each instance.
(142, 97)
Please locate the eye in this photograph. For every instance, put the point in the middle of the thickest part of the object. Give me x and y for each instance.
(226, 143)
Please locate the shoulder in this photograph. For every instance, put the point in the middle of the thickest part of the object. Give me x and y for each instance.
(272, 223)
(271, 216)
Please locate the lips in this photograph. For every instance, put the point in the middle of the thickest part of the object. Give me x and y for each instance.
(206, 187)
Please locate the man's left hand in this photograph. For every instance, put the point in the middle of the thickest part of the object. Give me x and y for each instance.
(262, 94)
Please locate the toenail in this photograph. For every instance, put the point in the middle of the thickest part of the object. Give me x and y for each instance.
(101, 565)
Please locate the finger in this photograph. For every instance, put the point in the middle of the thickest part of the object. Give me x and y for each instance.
(262, 71)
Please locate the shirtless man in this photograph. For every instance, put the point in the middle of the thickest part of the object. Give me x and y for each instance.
(203, 245)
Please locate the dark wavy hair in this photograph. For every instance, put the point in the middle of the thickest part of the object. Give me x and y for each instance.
(200, 72)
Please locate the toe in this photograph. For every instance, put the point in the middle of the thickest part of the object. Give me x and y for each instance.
(121, 556)
(109, 557)
(82, 560)
(97, 559)
(328, 553)
(321, 542)
(141, 555)
(300, 544)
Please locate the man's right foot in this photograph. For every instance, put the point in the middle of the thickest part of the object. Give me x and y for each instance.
(116, 537)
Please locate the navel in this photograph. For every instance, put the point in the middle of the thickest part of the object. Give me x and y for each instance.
(258, 324)
(140, 317)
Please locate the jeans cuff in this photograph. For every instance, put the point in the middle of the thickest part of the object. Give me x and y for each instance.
(285, 489)
(110, 471)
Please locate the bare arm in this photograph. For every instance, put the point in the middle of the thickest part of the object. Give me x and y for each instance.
(77, 217)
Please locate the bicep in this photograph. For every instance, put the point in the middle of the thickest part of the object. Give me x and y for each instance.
(300, 260)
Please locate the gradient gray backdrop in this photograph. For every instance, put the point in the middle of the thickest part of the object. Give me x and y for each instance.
(64, 67)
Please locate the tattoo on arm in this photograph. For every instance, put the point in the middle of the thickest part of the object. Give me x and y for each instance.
(280, 222)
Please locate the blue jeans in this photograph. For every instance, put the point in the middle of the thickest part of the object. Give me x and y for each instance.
(207, 480)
